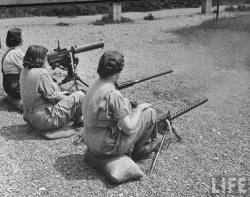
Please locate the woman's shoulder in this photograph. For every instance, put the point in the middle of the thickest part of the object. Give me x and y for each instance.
(101, 89)
(39, 71)
(101, 86)
(113, 93)
(17, 51)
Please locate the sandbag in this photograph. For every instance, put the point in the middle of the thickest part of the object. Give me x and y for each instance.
(118, 169)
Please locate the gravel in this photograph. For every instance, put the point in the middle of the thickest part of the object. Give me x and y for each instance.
(212, 63)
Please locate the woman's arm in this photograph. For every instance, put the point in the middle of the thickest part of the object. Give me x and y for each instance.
(18, 58)
(49, 89)
(121, 111)
(128, 123)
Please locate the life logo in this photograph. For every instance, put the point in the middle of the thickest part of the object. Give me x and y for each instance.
(226, 186)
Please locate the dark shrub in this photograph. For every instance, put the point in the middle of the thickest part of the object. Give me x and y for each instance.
(107, 19)
(230, 9)
(149, 17)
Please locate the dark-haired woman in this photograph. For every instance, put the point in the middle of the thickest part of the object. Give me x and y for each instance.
(46, 107)
(12, 64)
(111, 126)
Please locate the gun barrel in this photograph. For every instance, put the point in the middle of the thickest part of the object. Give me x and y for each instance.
(88, 47)
(126, 84)
(153, 76)
(184, 110)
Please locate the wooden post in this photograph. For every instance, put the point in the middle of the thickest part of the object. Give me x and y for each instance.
(206, 6)
(116, 11)
(218, 10)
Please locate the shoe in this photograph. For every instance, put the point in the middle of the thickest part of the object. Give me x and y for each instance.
(150, 146)
(162, 126)
(78, 122)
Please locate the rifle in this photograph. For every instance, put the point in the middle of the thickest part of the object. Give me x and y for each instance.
(126, 84)
(168, 118)
(65, 59)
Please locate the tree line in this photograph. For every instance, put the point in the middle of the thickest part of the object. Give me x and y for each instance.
(101, 8)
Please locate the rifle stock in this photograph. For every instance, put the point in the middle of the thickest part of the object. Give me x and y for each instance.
(126, 84)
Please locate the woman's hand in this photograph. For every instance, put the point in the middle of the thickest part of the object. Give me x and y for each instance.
(66, 93)
(129, 123)
(144, 106)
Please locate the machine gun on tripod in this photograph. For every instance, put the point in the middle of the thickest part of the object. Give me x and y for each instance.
(65, 59)
(165, 122)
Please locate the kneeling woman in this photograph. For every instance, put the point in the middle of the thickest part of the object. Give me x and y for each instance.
(45, 105)
(112, 127)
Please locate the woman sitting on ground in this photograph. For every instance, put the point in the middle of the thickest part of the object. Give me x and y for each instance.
(46, 107)
(12, 64)
(111, 126)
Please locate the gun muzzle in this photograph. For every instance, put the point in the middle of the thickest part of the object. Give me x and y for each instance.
(87, 47)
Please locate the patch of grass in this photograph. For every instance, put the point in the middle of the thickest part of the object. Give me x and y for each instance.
(107, 19)
(157, 92)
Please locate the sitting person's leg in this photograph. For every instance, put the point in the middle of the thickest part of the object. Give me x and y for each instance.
(67, 110)
(54, 123)
(58, 133)
(147, 126)
(145, 131)
(70, 108)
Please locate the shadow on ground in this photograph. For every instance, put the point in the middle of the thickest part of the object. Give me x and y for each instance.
(74, 167)
(19, 133)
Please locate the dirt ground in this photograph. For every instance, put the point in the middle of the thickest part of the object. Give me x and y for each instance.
(210, 60)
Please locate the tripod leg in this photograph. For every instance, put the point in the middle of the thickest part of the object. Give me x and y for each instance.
(176, 134)
(75, 81)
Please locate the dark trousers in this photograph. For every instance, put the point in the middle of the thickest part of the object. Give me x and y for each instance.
(11, 85)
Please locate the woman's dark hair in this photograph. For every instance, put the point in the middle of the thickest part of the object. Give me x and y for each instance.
(14, 37)
(35, 57)
(111, 62)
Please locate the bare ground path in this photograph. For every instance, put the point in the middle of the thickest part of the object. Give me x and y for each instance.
(211, 62)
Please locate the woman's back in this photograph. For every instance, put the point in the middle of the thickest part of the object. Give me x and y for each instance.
(95, 105)
(30, 81)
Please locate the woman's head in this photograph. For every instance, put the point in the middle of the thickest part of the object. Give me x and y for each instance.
(35, 57)
(111, 62)
(14, 37)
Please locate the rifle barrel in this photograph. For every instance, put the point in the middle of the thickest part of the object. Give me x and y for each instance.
(126, 84)
(184, 110)
(153, 76)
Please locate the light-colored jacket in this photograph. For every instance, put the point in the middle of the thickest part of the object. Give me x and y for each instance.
(38, 90)
(13, 61)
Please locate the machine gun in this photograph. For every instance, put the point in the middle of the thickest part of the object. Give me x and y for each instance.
(165, 122)
(65, 59)
(126, 84)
